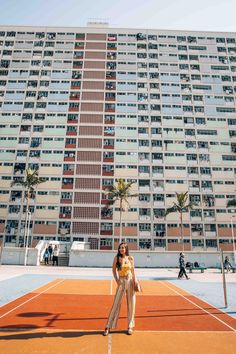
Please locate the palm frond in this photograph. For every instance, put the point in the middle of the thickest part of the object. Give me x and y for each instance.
(31, 180)
(18, 183)
(170, 210)
(121, 192)
(190, 206)
(177, 207)
(231, 203)
(182, 198)
(181, 205)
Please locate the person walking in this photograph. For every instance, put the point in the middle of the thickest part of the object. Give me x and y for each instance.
(182, 270)
(123, 272)
(227, 264)
(55, 255)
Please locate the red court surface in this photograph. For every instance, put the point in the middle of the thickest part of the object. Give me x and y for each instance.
(68, 316)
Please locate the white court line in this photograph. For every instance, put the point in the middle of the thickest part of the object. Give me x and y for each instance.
(109, 344)
(25, 302)
(200, 306)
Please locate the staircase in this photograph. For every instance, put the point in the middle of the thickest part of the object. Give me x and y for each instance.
(63, 260)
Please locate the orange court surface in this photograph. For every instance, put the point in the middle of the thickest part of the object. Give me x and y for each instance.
(68, 316)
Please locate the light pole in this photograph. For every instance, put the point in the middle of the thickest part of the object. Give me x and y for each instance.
(27, 235)
(2, 245)
(232, 231)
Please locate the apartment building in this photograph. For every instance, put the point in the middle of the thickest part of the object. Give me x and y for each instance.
(86, 106)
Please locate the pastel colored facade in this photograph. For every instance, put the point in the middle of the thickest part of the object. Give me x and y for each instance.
(86, 106)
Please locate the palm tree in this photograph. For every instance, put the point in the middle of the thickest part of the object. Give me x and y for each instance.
(181, 206)
(29, 184)
(120, 192)
(231, 203)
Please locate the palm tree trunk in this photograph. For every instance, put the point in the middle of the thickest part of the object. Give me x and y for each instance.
(26, 216)
(27, 226)
(120, 231)
(28, 207)
(182, 231)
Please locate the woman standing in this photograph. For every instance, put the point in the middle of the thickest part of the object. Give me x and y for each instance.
(55, 255)
(123, 272)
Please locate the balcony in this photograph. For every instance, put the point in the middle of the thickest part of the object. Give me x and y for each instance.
(110, 98)
(111, 56)
(112, 37)
(66, 201)
(67, 183)
(67, 186)
(73, 109)
(178, 247)
(106, 216)
(70, 146)
(109, 131)
(15, 198)
(143, 189)
(210, 233)
(65, 215)
(157, 203)
(77, 65)
(196, 233)
(45, 229)
(70, 157)
(108, 159)
(111, 75)
(144, 233)
(71, 132)
(196, 218)
(68, 172)
(75, 85)
(106, 232)
(107, 173)
(74, 96)
(111, 46)
(144, 217)
(14, 214)
(72, 121)
(110, 107)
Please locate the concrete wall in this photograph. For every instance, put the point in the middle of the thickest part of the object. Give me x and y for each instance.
(143, 259)
(96, 258)
(16, 255)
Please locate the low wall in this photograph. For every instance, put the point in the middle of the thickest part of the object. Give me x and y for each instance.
(16, 256)
(144, 259)
(97, 258)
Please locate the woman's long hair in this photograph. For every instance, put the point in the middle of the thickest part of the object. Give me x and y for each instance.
(119, 255)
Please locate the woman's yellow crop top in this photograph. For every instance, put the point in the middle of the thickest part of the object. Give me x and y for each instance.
(125, 269)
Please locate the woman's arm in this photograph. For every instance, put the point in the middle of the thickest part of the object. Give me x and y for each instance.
(132, 268)
(114, 270)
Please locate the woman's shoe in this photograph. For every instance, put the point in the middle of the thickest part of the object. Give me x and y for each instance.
(130, 331)
(106, 332)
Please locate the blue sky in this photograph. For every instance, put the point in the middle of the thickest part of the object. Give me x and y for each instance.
(212, 15)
